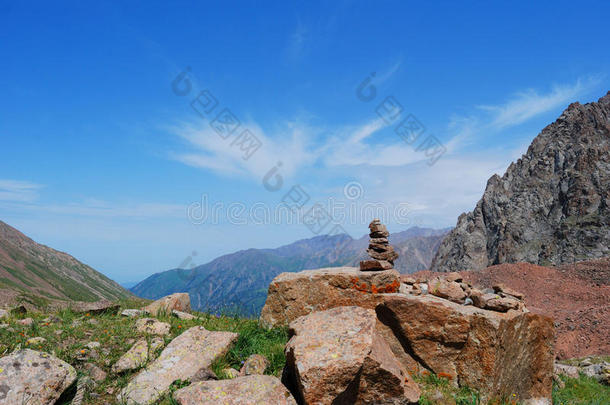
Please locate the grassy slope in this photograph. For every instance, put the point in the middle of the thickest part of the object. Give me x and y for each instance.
(116, 334)
(36, 270)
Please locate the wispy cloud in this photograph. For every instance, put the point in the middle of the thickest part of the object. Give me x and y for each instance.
(297, 41)
(373, 153)
(529, 103)
(16, 190)
(94, 208)
(291, 145)
(487, 121)
(354, 146)
(382, 77)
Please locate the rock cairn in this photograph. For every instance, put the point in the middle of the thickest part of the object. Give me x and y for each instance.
(381, 252)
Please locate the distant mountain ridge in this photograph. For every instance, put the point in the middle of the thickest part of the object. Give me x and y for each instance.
(551, 207)
(38, 275)
(239, 281)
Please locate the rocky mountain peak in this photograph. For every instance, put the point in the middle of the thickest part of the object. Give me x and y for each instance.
(550, 207)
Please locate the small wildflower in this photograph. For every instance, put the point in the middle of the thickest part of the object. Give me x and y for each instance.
(88, 314)
(82, 351)
(179, 326)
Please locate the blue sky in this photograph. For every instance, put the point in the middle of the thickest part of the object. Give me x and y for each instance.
(103, 159)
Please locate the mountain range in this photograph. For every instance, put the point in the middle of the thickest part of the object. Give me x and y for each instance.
(35, 274)
(238, 282)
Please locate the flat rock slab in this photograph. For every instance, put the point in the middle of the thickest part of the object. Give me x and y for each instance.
(195, 349)
(248, 390)
(153, 326)
(337, 356)
(292, 295)
(31, 377)
(178, 301)
(95, 308)
(135, 357)
(132, 313)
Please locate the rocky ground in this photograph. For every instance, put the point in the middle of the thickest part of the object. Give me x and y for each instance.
(576, 296)
(107, 350)
(162, 353)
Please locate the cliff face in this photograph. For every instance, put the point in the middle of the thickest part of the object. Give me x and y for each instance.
(550, 207)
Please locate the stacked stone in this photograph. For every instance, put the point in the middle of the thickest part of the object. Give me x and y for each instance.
(381, 252)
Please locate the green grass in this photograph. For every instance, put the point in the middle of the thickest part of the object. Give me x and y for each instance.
(592, 359)
(255, 340)
(433, 385)
(577, 391)
(116, 334)
(581, 391)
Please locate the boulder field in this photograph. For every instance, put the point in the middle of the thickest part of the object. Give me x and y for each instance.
(357, 335)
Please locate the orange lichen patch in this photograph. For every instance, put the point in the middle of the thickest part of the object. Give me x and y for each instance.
(390, 288)
(445, 375)
(363, 287)
(357, 286)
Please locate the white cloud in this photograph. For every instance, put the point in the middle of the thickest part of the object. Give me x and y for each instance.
(16, 190)
(291, 147)
(530, 103)
(391, 169)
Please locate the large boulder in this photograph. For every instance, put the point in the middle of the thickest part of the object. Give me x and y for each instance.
(500, 354)
(249, 390)
(178, 301)
(292, 295)
(31, 377)
(195, 349)
(337, 356)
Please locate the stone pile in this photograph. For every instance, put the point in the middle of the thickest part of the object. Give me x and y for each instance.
(381, 252)
(451, 287)
(342, 321)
